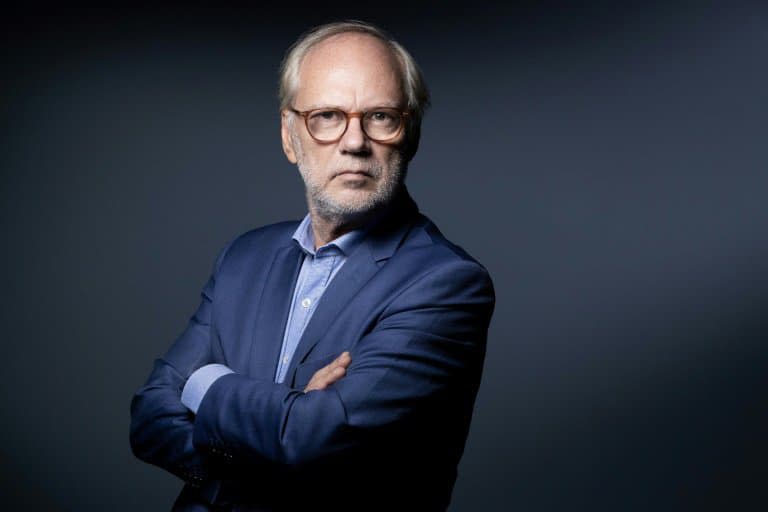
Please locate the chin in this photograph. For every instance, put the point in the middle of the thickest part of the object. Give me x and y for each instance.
(356, 208)
(346, 207)
(355, 200)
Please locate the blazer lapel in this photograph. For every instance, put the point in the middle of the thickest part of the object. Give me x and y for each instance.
(361, 266)
(272, 311)
(357, 270)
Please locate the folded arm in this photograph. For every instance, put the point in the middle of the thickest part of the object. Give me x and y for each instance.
(429, 345)
(162, 423)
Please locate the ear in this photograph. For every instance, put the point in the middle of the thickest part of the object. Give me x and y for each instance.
(285, 134)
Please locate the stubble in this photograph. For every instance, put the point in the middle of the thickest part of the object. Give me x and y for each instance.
(388, 177)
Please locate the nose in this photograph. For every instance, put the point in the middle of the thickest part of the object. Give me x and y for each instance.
(354, 139)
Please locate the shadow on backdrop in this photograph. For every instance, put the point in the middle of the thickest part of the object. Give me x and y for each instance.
(606, 163)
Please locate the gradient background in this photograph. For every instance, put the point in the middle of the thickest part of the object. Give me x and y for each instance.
(605, 161)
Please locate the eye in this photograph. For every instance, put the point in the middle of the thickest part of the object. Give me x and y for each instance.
(382, 116)
(326, 116)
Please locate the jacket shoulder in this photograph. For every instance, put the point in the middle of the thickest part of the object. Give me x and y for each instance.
(257, 241)
(279, 232)
(426, 253)
(426, 234)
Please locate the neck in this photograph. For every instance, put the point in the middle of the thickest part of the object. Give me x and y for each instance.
(326, 229)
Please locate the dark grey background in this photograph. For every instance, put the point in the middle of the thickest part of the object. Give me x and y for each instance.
(605, 161)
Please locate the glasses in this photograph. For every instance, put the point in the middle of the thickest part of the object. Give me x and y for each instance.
(328, 125)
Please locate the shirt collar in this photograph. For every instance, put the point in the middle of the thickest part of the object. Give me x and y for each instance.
(346, 243)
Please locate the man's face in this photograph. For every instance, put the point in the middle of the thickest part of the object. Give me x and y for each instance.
(355, 175)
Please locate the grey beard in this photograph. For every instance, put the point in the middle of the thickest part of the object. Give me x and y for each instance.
(326, 207)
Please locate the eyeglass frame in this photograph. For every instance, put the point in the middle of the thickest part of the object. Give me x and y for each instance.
(404, 114)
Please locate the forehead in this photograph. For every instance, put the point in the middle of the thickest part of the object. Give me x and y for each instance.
(351, 71)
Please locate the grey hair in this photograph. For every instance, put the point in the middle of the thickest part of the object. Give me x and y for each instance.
(415, 88)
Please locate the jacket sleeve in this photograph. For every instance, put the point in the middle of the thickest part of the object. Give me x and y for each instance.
(428, 346)
(161, 426)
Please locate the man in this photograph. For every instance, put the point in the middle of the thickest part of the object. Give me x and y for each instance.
(332, 363)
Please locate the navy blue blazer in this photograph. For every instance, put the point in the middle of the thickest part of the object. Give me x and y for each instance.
(413, 311)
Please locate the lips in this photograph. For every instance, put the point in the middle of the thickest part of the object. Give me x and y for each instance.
(352, 172)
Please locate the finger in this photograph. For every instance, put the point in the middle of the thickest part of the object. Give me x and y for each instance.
(318, 378)
(329, 373)
(321, 381)
(325, 370)
(330, 366)
(315, 383)
(344, 359)
(335, 375)
(340, 362)
(332, 376)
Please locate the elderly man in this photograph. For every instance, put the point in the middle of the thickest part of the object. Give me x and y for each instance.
(332, 362)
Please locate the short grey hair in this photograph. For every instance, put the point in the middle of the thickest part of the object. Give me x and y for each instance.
(415, 88)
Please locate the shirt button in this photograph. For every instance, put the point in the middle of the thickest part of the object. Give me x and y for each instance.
(285, 360)
(306, 302)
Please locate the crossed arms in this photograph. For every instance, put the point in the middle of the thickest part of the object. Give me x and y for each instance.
(427, 346)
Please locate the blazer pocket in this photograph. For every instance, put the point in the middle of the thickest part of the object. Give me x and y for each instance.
(307, 369)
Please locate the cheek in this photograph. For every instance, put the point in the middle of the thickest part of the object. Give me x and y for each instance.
(386, 156)
(314, 157)
(395, 161)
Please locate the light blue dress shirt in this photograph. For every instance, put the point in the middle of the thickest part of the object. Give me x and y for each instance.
(317, 270)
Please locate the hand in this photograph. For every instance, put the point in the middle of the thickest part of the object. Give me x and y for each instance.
(329, 374)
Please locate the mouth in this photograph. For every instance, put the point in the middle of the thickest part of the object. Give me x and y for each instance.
(353, 173)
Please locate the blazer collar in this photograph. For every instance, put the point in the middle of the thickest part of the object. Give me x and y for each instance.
(390, 228)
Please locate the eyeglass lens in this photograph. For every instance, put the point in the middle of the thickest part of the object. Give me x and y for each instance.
(330, 124)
